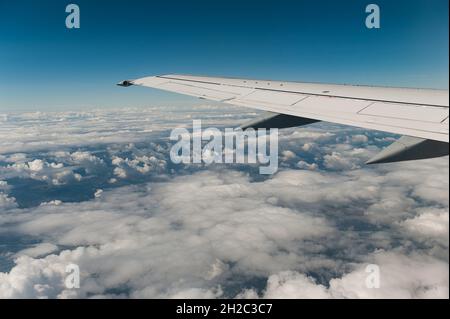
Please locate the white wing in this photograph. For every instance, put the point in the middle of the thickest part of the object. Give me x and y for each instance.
(418, 113)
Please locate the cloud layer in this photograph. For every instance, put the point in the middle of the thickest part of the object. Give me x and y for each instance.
(103, 194)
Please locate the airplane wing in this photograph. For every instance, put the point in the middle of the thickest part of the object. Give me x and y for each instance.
(421, 115)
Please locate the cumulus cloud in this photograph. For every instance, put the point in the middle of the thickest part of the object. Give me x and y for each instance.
(160, 241)
(38, 250)
(7, 202)
(249, 233)
(145, 228)
(37, 169)
(400, 277)
(433, 223)
(291, 285)
(144, 164)
(305, 165)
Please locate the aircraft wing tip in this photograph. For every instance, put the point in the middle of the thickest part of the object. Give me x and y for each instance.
(125, 83)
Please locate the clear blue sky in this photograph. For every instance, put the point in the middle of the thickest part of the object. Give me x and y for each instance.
(44, 65)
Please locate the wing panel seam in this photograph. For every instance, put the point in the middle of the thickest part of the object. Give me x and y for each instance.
(308, 93)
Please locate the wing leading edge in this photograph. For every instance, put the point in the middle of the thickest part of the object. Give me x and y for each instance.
(419, 113)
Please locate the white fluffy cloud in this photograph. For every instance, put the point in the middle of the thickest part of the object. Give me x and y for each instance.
(308, 231)
(7, 202)
(400, 277)
(161, 241)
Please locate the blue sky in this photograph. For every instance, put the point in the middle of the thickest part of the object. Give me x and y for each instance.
(45, 66)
